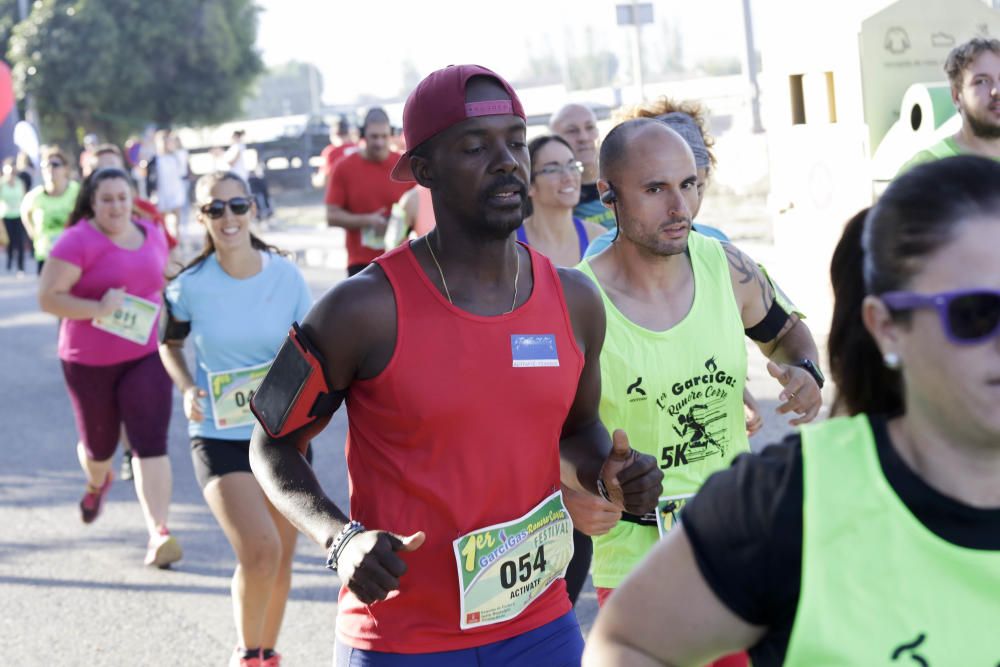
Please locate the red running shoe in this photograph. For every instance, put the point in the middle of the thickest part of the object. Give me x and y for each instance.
(90, 504)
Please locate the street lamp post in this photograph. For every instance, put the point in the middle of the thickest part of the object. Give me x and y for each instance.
(750, 69)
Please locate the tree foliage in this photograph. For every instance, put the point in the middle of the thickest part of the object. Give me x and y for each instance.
(113, 66)
(8, 19)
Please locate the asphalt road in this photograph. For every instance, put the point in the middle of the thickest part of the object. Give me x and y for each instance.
(75, 594)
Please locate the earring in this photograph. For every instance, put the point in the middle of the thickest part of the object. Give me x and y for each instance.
(891, 361)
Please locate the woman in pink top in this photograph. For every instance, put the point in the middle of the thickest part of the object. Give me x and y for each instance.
(104, 279)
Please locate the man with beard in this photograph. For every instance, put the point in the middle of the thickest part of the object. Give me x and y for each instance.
(674, 361)
(470, 367)
(973, 70)
(360, 193)
(577, 124)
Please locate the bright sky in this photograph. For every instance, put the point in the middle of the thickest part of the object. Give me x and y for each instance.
(361, 49)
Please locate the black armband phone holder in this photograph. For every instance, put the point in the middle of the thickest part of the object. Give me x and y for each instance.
(294, 393)
(768, 328)
(170, 328)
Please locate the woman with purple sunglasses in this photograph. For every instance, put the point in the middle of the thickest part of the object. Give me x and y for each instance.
(873, 537)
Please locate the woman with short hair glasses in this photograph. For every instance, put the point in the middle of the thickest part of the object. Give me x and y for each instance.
(549, 226)
(873, 537)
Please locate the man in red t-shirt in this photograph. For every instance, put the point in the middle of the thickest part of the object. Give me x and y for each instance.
(360, 192)
(341, 145)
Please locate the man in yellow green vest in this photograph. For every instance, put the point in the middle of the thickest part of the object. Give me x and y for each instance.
(973, 70)
(674, 360)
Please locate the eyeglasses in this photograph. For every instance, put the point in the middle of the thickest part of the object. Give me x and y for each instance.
(574, 167)
(217, 207)
(967, 316)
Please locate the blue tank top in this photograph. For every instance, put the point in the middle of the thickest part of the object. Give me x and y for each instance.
(581, 235)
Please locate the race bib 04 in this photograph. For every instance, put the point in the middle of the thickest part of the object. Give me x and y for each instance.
(668, 512)
(134, 321)
(505, 567)
(230, 393)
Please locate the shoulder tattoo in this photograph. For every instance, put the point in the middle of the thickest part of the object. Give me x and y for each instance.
(748, 272)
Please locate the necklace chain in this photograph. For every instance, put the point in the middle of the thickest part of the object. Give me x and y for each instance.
(447, 293)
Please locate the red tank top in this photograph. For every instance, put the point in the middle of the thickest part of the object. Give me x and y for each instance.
(457, 433)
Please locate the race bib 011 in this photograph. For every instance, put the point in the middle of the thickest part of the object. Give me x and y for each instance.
(133, 321)
(230, 393)
(505, 567)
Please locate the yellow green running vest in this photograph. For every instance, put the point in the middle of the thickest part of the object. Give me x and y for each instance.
(678, 394)
(878, 587)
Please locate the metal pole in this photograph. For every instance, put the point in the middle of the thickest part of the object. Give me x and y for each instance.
(751, 67)
(637, 51)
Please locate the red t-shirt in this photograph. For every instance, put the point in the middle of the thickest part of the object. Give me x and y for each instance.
(452, 437)
(148, 210)
(332, 155)
(358, 185)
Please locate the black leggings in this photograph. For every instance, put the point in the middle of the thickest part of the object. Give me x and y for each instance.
(17, 242)
(579, 566)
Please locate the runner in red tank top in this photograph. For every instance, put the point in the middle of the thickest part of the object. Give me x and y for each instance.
(470, 370)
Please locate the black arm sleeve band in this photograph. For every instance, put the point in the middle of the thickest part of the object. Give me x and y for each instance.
(768, 328)
(170, 328)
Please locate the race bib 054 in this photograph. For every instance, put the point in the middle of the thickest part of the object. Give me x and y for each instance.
(505, 567)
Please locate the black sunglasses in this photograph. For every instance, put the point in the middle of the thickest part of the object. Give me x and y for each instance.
(967, 316)
(217, 207)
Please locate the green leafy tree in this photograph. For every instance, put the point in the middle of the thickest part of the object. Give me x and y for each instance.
(113, 66)
(8, 19)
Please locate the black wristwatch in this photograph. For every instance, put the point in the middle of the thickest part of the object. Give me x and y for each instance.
(813, 370)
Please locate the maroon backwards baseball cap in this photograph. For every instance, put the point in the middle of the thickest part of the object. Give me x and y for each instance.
(438, 102)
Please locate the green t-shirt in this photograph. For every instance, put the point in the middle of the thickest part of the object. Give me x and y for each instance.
(11, 195)
(678, 394)
(878, 587)
(947, 147)
(47, 216)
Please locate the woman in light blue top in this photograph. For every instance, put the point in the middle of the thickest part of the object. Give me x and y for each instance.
(237, 300)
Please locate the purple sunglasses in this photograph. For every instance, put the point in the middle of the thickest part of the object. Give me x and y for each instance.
(967, 316)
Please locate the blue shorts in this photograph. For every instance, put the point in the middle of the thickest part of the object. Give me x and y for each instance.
(555, 644)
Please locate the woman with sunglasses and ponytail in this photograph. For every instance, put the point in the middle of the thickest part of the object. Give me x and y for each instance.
(104, 279)
(237, 299)
(872, 538)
